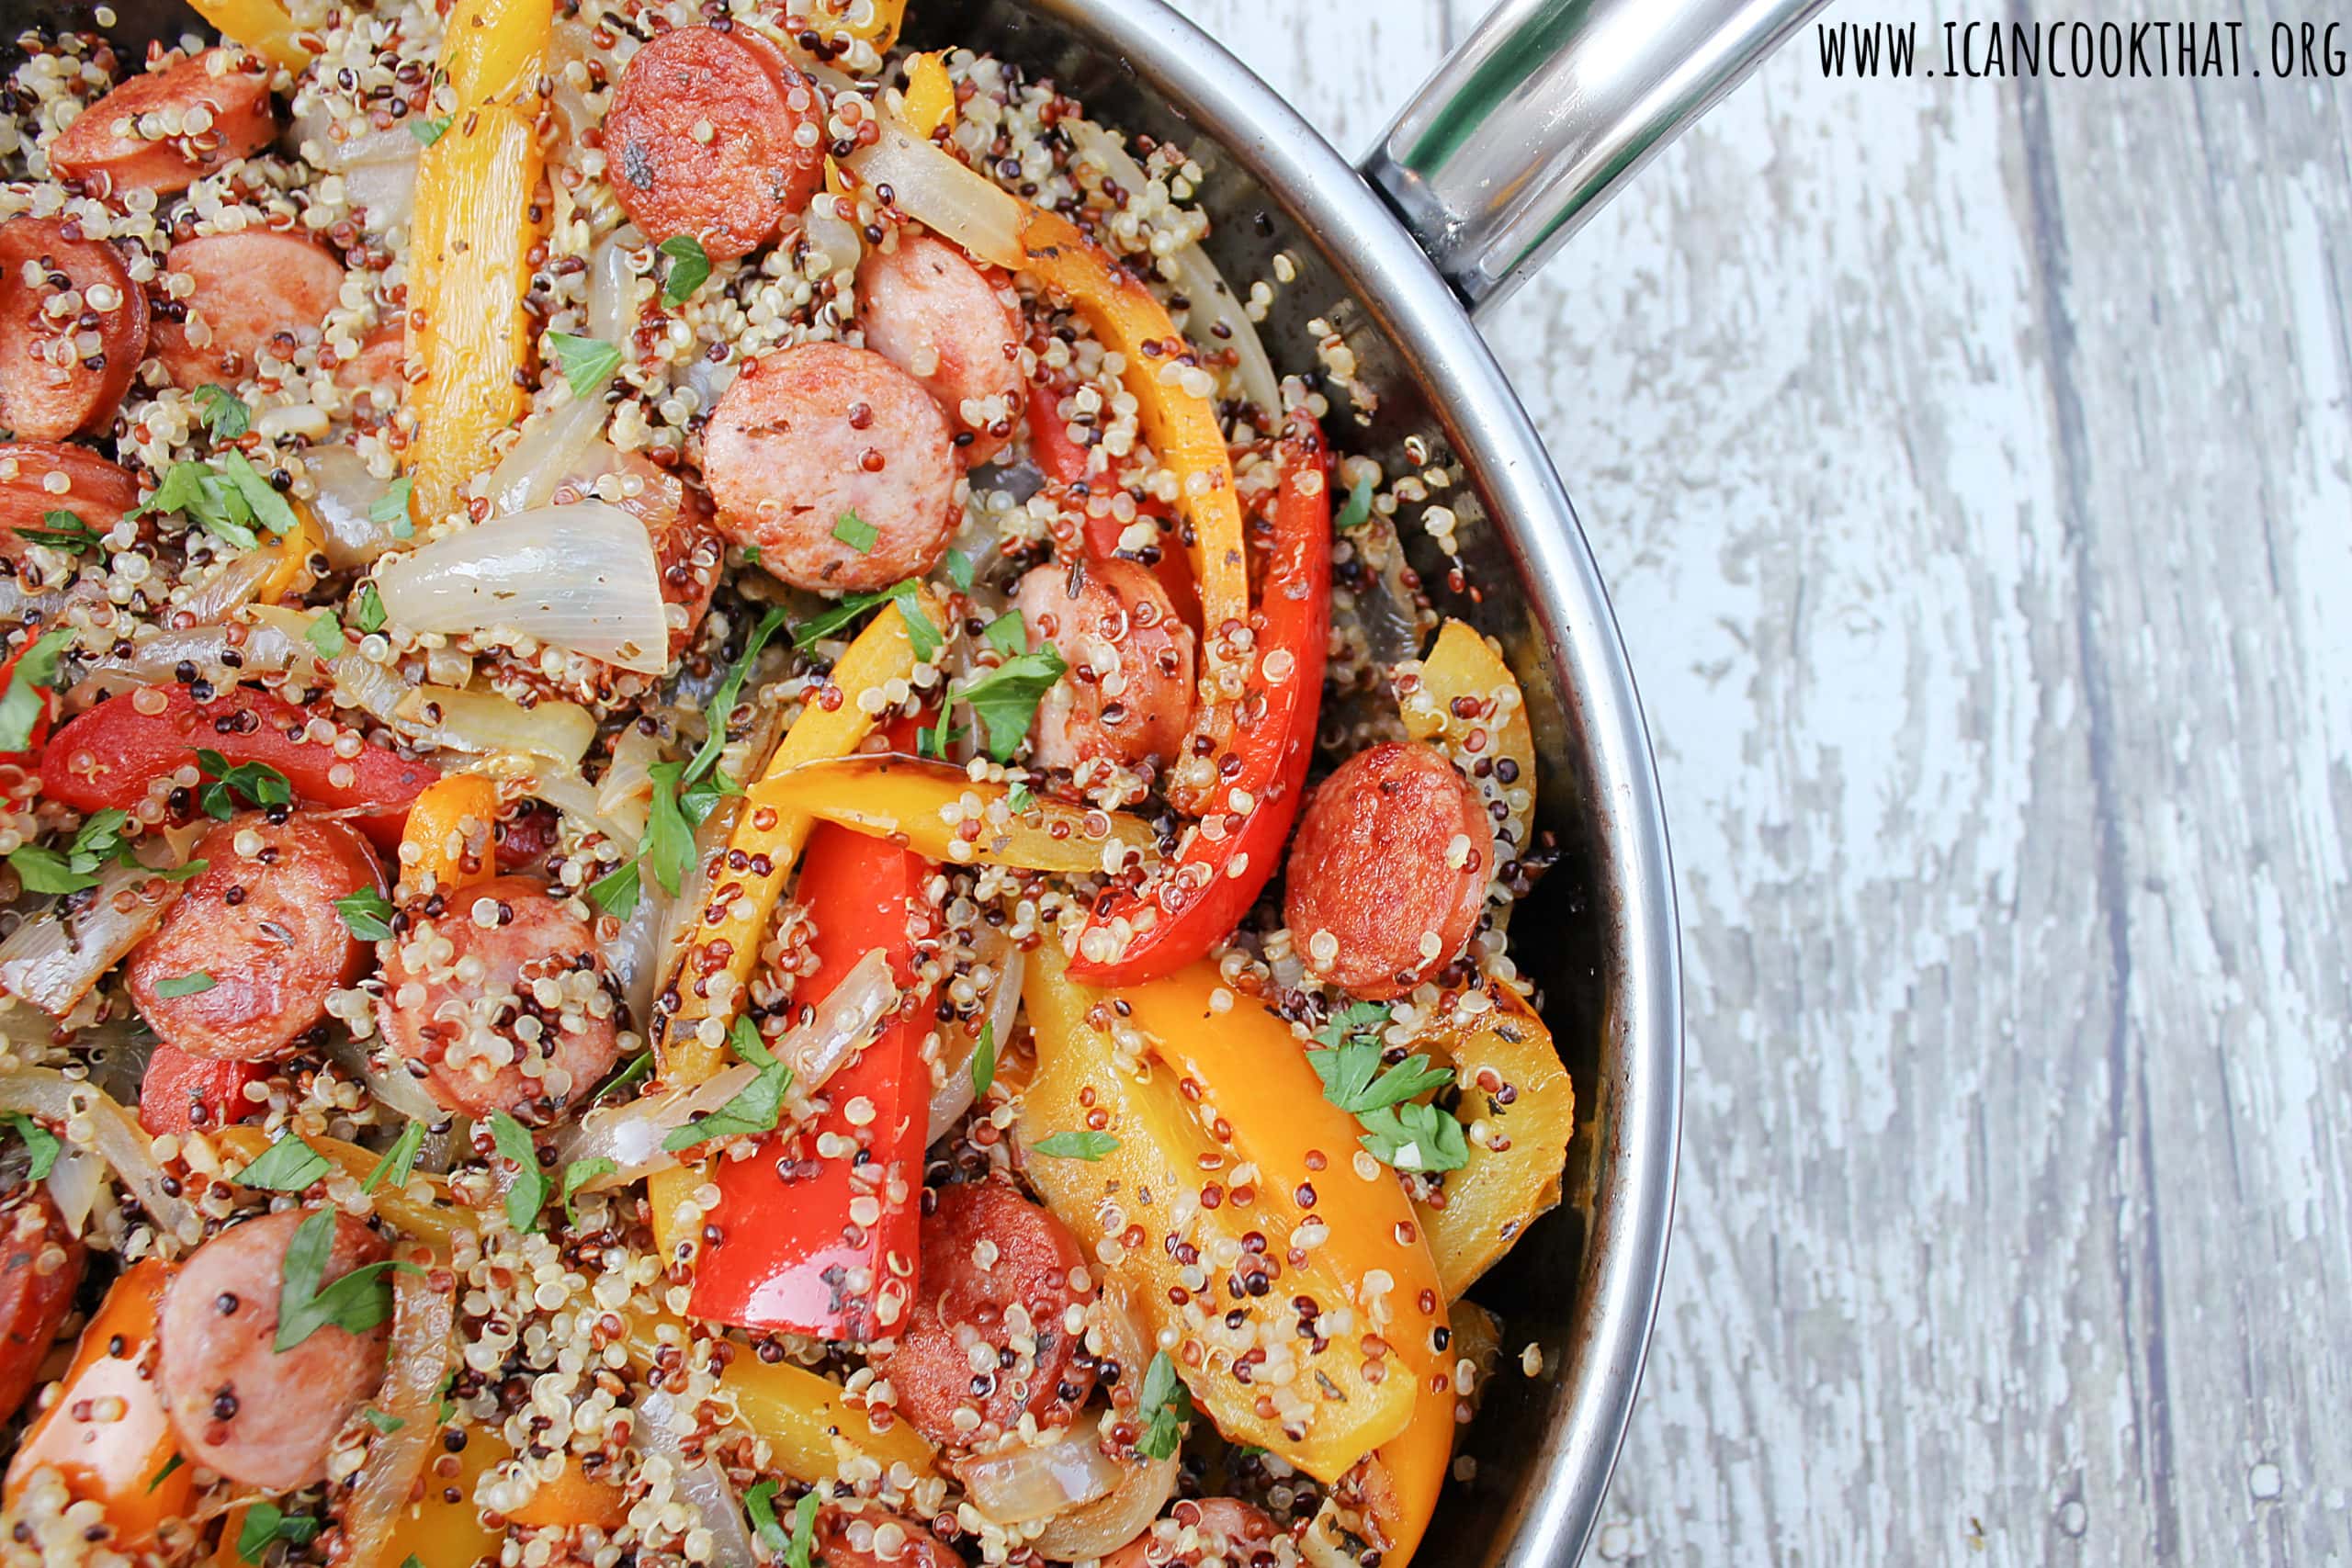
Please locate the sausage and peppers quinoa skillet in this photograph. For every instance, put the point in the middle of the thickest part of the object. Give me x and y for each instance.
(725, 841)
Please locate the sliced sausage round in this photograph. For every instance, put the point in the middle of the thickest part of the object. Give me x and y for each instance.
(72, 327)
(166, 129)
(996, 1270)
(40, 1268)
(260, 923)
(1225, 1528)
(37, 478)
(1388, 873)
(256, 1414)
(259, 289)
(500, 1000)
(1127, 697)
(807, 438)
(874, 1537)
(715, 135)
(928, 311)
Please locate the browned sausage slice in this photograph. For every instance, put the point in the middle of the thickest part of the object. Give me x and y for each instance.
(256, 289)
(258, 1414)
(928, 311)
(1223, 1529)
(996, 1270)
(1388, 873)
(872, 1537)
(260, 922)
(1128, 695)
(501, 1001)
(72, 327)
(40, 1268)
(805, 438)
(37, 478)
(166, 129)
(713, 135)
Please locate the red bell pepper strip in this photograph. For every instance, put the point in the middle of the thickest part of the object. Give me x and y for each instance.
(791, 1253)
(178, 1081)
(1196, 902)
(1063, 462)
(41, 721)
(1057, 457)
(108, 756)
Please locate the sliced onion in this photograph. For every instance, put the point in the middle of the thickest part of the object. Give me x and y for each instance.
(581, 577)
(1100, 1528)
(53, 960)
(554, 446)
(119, 1051)
(842, 1023)
(702, 1486)
(564, 789)
(625, 795)
(346, 495)
(487, 724)
(679, 929)
(231, 585)
(52, 1097)
(266, 648)
(930, 186)
(956, 1092)
(73, 1184)
(630, 1135)
(634, 955)
(393, 1088)
(612, 281)
(1214, 303)
(417, 1359)
(1024, 1483)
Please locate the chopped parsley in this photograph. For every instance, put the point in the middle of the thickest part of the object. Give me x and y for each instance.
(1019, 799)
(1414, 1137)
(688, 268)
(760, 1502)
(428, 130)
(369, 617)
(266, 1524)
(1398, 1133)
(1087, 1146)
(984, 1061)
(225, 413)
(258, 782)
(289, 1164)
(617, 891)
(164, 1474)
(62, 530)
(385, 1423)
(324, 634)
(391, 509)
(1008, 634)
(754, 1109)
(367, 914)
(354, 1303)
(399, 1160)
(578, 1174)
(97, 842)
(1005, 699)
(39, 1140)
(635, 1070)
(587, 363)
(194, 983)
(1166, 1404)
(273, 510)
(21, 706)
(922, 635)
(961, 570)
(209, 498)
(856, 532)
(1358, 510)
(529, 1193)
(723, 700)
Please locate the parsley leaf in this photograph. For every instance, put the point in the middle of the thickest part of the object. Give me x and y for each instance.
(587, 363)
(961, 569)
(289, 1164)
(354, 1303)
(1352, 1079)
(754, 1109)
(1076, 1146)
(856, 532)
(1357, 1021)
(385, 1423)
(1167, 1406)
(1414, 1137)
(429, 130)
(98, 840)
(63, 531)
(1398, 1133)
(617, 891)
(529, 1193)
(1358, 510)
(922, 635)
(198, 492)
(578, 1174)
(260, 783)
(370, 614)
(635, 1070)
(688, 267)
(224, 412)
(399, 1160)
(266, 1524)
(984, 1061)
(274, 512)
(367, 914)
(804, 1531)
(668, 837)
(392, 509)
(1005, 699)
(1018, 800)
(729, 692)
(324, 634)
(39, 1140)
(170, 1465)
(194, 983)
(760, 1502)
(21, 706)
(1008, 634)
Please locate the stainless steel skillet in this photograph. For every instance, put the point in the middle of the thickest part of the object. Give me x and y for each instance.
(1543, 113)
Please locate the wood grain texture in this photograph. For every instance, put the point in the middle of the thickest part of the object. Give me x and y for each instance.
(1971, 464)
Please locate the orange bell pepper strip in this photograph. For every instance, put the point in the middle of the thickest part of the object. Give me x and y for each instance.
(1179, 1177)
(574, 1498)
(804, 1416)
(445, 1528)
(1465, 699)
(470, 249)
(1181, 425)
(261, 25)
(450, 835)
(1519, 1105)
(105, 1433)
(435, 1220)
(692, 1015)
(930, 104)
(936, 810)
(292, 573)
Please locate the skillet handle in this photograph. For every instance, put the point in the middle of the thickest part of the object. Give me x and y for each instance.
(1528, 128)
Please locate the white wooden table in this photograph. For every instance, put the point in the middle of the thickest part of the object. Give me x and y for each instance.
(1972, 466)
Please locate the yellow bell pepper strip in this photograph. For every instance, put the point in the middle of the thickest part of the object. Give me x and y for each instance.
(445, 1526)
(435, 1221)
(573, 1498)
(804, 1415)
(709, 983)
(1181, 425)
(470, 247)
(1519, 1106)
(105, 1433)
(1165, 1184)
(936, 810)
(882, 28)
(449, 834)
(1465, 699)
(930, 104)
(292, 573)
(261, 25)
